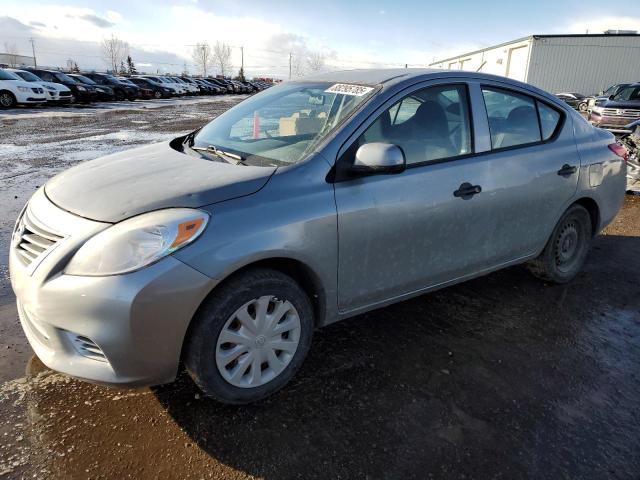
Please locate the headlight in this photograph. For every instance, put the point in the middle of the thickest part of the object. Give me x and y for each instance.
(23, 89)
(81, 88)
(137, 242)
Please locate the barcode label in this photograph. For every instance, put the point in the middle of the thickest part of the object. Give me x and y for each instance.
(348, 89)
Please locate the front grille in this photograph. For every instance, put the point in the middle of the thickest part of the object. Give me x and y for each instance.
(35, 239)
(65, 94)
(88, 348)
(621, 112)
(37, 90)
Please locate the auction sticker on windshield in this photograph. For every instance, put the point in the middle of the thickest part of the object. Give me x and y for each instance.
(348, 89)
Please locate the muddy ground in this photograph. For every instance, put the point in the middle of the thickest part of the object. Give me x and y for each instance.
(501, 377)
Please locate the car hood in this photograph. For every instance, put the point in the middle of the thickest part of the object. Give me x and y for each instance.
(634, 104)
(58, 86)
(125, 184)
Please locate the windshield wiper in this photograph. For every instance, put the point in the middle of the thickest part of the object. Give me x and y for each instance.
(227, 156)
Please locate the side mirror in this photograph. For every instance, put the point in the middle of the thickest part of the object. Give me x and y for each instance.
(374, 158)
(611, 97)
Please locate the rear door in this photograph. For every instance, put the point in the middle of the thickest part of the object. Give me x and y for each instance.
(533, 165)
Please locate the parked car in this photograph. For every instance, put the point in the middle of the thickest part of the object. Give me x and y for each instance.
(604, 95)
(122, 91)
(180, 88)
(218, 88)
(631, 141)
(159, 91)
(190, 89)
(618, 111)
(220, 248)
(223, 83)
(193, 83)
(145, 92)
(101, 92)
(16, 91)
(79, 92)
(574, 100)
(56, 92)
(208, 88)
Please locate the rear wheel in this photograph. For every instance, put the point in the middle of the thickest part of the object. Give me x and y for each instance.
(7, 100)
(250, 337)
(157, 94)
(582, 106)
(566, 250)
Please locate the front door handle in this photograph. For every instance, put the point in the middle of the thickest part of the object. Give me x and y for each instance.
(466, 191)
(567, 170)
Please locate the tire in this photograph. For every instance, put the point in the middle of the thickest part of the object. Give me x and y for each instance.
(216, 365)
(157, 95)
(582, 107)
(120, 96)
(566, 250)
(7, 99)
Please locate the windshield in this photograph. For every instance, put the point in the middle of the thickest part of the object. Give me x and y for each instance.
(28, 76)
(62, 77)
(84, 79)
(4, 75)
(628, 93)
(282, 125)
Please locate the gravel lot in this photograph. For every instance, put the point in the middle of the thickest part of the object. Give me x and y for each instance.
(500, 377)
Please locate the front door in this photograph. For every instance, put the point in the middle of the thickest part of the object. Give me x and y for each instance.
(403, 232)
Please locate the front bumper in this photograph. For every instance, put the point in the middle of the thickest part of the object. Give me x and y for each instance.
(117, 330)
(30, 97)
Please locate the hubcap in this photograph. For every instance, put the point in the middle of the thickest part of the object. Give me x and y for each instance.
(5, 100)
(567, 246)
(258, 341)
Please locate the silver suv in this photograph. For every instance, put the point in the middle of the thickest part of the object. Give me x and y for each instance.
(308, 203)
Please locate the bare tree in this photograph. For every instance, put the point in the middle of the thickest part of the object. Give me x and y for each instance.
(12, 54)
(298, 63)
(316, 61)
(114, 52)
(222, 57)
(202, 57)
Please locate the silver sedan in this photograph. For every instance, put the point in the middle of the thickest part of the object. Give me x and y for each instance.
(308, 203)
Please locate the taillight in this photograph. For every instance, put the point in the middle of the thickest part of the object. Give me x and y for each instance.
(620, 151)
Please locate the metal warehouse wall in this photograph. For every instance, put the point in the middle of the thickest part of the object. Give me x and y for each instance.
(495, 60)
(583, 64)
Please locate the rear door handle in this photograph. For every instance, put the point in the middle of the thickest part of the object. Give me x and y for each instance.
(466, 191)
(567, 170)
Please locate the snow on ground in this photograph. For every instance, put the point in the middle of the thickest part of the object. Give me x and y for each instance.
(93, 108)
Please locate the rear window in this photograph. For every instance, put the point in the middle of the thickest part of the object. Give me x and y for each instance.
(549, 120)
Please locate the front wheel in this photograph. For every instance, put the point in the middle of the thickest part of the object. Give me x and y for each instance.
(7, 100)
(582, 107)
(250, 337)
(566, 250)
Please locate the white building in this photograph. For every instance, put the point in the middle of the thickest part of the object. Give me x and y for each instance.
(558, 63)
(16, 60)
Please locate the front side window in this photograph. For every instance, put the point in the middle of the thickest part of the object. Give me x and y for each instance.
(282, 125)
(430, 124)
(61, 77)
(513, 119)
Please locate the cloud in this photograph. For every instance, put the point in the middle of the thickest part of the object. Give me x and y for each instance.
(37, 24)
(95, 19)
(601, 24)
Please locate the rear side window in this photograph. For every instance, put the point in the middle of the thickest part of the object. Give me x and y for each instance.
(549, 120)
(513, 119)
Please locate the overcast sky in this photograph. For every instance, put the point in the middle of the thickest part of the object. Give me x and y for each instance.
(351, 34)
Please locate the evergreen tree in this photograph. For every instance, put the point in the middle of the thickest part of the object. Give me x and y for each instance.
(131, 67)
(240, 75)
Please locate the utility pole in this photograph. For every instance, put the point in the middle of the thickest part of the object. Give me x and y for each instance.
(290, 65)
(242, 58)
(33, 50)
